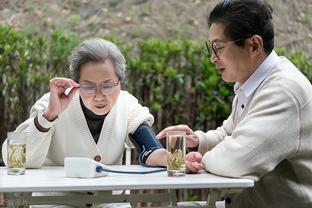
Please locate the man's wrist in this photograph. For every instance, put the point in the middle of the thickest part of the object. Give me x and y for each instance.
(192, 149)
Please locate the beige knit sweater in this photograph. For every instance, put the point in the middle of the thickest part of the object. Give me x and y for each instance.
(271, 142)
(70, 135)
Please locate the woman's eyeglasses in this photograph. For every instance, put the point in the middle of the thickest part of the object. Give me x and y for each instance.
(106, 88)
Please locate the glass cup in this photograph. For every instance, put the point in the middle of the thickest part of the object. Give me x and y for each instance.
(175, 144)
(16, 153)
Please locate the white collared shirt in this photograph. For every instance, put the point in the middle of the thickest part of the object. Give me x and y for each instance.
(245, 91)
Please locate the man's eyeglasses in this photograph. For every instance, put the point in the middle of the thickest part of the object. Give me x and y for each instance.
(106, 87)
(215, 46)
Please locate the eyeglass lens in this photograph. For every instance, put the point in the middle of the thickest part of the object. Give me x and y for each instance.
(106, 88)
(211, 48)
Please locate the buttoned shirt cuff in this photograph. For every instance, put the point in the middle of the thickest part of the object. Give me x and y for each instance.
(42, 123)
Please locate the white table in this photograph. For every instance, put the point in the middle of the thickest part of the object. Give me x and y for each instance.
(52, 179)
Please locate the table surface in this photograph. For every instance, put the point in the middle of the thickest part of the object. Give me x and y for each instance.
(52, 178)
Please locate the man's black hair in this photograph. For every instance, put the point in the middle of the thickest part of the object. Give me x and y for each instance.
(244, 18)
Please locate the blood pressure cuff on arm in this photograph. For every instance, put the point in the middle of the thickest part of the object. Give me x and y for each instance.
(144, 141)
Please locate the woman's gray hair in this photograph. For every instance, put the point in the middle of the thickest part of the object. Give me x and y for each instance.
(96, 50)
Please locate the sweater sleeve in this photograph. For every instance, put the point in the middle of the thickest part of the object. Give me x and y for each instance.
(138, 114)
(267, 134)
(37, 142)
(208, 140)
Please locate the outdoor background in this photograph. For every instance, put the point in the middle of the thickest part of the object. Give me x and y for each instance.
(163, 42)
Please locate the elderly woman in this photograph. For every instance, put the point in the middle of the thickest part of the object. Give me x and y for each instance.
(89, 115)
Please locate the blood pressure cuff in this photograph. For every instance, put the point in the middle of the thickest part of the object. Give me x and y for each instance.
(144, 141)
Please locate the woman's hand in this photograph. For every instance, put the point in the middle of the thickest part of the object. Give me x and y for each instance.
(193, 162)
(59, 99)
(191, 138)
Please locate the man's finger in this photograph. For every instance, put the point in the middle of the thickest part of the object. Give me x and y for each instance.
(194, 157)
(198, 157)
(193, 167)
(198, 166)
(180, 127)
(160, 135)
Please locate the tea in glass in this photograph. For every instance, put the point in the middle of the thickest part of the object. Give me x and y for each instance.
(16, 153)
(176, 153)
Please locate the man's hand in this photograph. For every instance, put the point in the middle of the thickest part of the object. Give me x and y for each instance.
(59, 100)
(191, 138)
(193, 162)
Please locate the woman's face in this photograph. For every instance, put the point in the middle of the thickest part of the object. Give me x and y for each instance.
(99, 86)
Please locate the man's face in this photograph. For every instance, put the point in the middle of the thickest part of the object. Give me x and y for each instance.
(233, 62)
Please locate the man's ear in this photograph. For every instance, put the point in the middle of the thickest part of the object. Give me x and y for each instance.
(256, 43)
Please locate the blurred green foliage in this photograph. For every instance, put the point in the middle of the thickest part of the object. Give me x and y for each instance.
(27, 63)
(300, 60)
(178, 82)
(174, 78)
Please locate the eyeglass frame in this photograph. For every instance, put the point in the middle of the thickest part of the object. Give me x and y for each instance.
(103, 90)
(215, 50)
